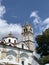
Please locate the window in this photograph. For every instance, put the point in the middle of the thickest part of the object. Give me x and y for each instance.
(9, 40)
(14, 41)
(24, 30)
(22, 46)
(22, 62)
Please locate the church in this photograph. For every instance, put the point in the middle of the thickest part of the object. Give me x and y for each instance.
(13, 52)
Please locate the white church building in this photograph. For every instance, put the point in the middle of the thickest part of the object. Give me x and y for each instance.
(13, 52)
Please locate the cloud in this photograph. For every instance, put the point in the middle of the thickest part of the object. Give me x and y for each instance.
(6, 28)
(46, 23)
(34, 14)
(36, 21)
(39, 24)
(2, 11)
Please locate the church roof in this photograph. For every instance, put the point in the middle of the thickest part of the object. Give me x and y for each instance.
(10, 35)
(27, 24)
(16, 47)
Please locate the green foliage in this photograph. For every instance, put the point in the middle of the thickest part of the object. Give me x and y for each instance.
(43, 43)
(43, 46)
(44, 60)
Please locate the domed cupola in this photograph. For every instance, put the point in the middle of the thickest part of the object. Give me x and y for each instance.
(10, 40)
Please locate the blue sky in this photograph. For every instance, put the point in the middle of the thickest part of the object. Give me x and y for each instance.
(22, 9)
(14, 14)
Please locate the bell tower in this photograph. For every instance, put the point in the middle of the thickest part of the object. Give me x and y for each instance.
(27, 36)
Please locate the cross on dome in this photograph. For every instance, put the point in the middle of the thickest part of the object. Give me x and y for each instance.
(10, 34)
(27, 23)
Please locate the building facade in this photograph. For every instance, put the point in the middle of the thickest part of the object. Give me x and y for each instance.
(13, 52)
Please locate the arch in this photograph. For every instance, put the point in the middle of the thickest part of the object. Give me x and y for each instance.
(26, 29)
(11, 52)
(24, 55)
(11, 57)
(9, 40)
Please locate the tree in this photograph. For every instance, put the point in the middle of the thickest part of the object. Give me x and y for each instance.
(43, 44)
(44, 60)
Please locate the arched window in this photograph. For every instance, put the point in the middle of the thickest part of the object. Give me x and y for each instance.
(11, 52)
(22, 62)
(24, 30)
(22, 46)
(9, 40)
(24, 55)
(14, 41)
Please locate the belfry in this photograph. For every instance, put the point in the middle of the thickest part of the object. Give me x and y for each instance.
(27, 34)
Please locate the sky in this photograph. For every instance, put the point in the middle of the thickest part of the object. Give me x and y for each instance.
(15, 13)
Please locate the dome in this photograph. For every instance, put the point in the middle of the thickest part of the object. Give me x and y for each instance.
(10, 39)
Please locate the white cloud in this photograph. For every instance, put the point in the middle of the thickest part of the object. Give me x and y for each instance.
(2, 10)
(6, 28)
(46, 23)
(34, 14)
(39, 25)
(36, 21)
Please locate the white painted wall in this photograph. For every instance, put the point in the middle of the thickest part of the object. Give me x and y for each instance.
(12, 40)
(23, 55)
